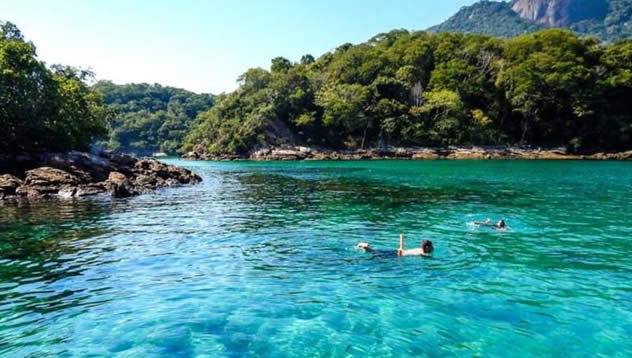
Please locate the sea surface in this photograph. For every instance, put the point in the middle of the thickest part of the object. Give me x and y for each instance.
(259, 261)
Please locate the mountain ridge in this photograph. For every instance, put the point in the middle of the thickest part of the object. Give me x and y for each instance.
(607, 20)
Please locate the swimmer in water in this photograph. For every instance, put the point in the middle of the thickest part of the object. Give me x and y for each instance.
(500, 225)
(426, 248)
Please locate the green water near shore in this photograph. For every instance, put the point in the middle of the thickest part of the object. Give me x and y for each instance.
(259, 260)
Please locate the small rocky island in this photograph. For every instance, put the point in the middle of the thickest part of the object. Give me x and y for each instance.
(78, 174)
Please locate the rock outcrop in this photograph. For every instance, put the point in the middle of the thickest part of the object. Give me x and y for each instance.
(419, 153)
(560, 13)
(75, 174)
(9, 184)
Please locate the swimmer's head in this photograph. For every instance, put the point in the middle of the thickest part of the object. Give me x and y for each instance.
(501, 223)
(427, 246)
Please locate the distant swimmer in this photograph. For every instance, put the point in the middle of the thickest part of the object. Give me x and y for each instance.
(500, 225)
(426, 249)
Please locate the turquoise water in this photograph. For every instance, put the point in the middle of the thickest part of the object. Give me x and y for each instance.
(259, 261)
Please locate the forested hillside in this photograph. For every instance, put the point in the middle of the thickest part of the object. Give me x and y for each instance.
(490, 18)
(44, 108)
(150, 118)
(401, 88)
(607, 20)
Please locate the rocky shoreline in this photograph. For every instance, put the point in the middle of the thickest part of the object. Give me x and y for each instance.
(77, 174)
(420, 153)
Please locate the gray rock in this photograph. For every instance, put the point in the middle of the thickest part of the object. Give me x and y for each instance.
(77, 174)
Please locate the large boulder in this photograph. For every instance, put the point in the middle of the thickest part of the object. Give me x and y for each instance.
(47, 176)
(182, 176)
(88, 168)
(120, 186)
(160, 172)
(149, 166)
(44, 181)
(9, 184)
(192, 155)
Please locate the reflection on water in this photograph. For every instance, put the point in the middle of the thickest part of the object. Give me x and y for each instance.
(258, 260)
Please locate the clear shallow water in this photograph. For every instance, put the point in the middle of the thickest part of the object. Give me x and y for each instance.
(259, 261)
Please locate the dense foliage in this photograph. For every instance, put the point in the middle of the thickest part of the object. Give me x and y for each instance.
(150, 118)
(616, 25)
(498, 19)
(41, 108)
(401, 88)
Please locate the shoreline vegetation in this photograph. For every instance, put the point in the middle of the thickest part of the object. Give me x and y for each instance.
(404, 95)
(418, 89)
(149, 118)
(50, 117)
(412, 153)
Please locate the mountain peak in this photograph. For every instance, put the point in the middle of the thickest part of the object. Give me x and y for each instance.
(608, 20)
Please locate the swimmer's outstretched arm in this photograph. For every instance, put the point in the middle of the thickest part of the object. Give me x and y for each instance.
(400, 251)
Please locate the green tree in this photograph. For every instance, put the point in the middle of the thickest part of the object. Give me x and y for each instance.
(280, 64)
(44, 109)
(345, 107)
(614, 127)
(150, 118)
(547, 78)
(307, 59)
(417, 88)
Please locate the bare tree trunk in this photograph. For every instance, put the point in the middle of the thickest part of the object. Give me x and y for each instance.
(364, 134)
(525, 125)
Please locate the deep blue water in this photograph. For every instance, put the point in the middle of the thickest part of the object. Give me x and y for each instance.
(259, 261)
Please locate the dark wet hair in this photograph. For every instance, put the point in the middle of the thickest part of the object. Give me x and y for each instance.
(427, 246)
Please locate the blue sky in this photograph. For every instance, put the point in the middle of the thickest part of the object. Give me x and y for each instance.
(204, 45)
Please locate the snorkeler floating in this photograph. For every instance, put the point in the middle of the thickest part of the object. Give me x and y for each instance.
(426, 248)
(500, 225)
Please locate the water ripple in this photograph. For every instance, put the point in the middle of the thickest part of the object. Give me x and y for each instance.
(259, 260)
